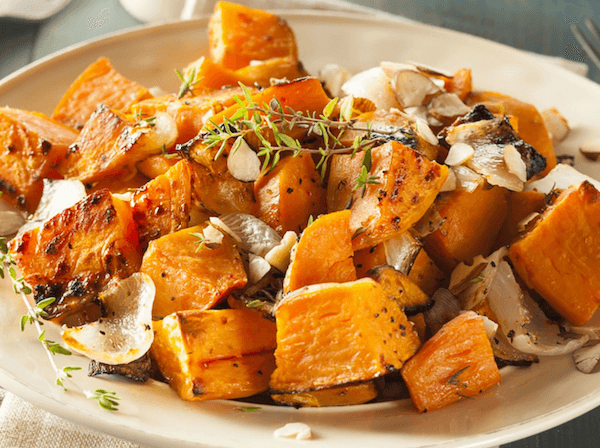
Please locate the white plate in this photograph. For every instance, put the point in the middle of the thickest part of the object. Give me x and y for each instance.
(528, 401)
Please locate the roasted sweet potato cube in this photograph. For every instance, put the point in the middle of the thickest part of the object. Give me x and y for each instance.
(215, 354)
(189, 275)
(404, 186)
(289, 194)
(460, 83)
(110, 143)
(472, 224)
(344, 395)
(369, 258)
(323, 254)
(456, 363)
(73, 255)
(521, 204)
(261, 72)
(100, 83)
(162, 206)
(238, 34)
(425, 273)
(531, 125)
(400, 288)
(208, 74)
(560, 256)
(31, 148)
(154, 166)
(336, 333)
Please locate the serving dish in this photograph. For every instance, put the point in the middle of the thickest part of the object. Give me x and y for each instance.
(528, 401)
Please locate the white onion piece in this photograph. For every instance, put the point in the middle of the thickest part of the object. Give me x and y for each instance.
(373, 84)
(258, 267)
(219, 224)
(126, 333)
(413, 88)
(10, 222)
(392, 68)
(401, 251)
(459, 154)
(242, 162)
(57, 196)
(424, 131)
(212, 235)
(162, 133)
(253, 234)
(490, 326)
(522, 320)
(556, 124)
(279, 255)
(586, 358)
(334, 76)
(560, 177)
(448, 105)
(431, 70)
(298, 431)
(514, 163)
(445, 308)
(466, 178)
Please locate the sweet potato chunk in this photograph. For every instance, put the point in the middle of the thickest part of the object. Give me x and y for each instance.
(262, 72)
(531, 125)
(73, 255)
(154, 166)
(100, 83)
(400, 288)
(407, 184)
(215, 354)
(344, 395)
(560, 256)
(162, 206)
(425, 273)
(471, 226)
(323, 254)
(238, 34)
(335, 333)
(110, 143)
(289, 194)
(521, 204)
(190, 276)
(369, 258)
(456, 363)
(31, 148)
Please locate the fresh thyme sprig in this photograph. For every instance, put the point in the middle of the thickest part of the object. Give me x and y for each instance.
(187, 85)
(106, 399)
(7, 264)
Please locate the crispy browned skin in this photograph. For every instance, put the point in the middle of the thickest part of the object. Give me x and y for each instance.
(100, 83)
(456, 363)
(238, 35)
(344, 395)
(215, 354)
(560, 256)
(399, 287)
(162, 206)
(31, 148)
(73, 255)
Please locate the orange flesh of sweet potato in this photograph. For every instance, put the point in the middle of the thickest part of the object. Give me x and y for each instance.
(123, 183)
(460, 83)
(31, 148)
(323, 254)
(456, 363)
(344, 395)
(261, 72)
(400, 288)
(154, 166)
(560, 256)
(408, 185)
(109, 144)
(473, 221)
(209, 74)
(425, 273)
(215, 353)
(162, 206)
(78, 251)
(369, 258)
(521, 204)
(289, 194)
(335, 333)
(100, 83)
(531, 125)
(238, 34)
(191, 277)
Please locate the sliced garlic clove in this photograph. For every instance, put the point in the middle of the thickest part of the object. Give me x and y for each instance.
(258, 267)
(514, 163)
(431, 70)
(591, 149)
(333, 76)
(556, 124)
(466, 178)
(162, 134)
(450, 183)
(447, 105)
(425, 132)
(413, 88)
(373, 84)
(586, 358)
(242, 162)
(126, 333)
(459, 154)
(279, 255)
(298, 431)
(212, 235)
(401, 251)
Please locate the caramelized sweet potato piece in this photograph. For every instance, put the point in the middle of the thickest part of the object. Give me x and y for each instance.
(559, 256)
(289, 194)
(261, 72)
(425, 273)
(238, 34)
(162, 206)
(460, 83)
(209, 74)
(109, 144)
(121, 184)
(369, 258)
(531, 125)
(31, 148)
(521, 204)
(407, 184)
(400, 288)
(456, 363)
(323, 254)
(335, 333)
(344, 395)
(154, 166)
(215, 354)
(74, 255)
(471, 226)
(190, 276)
(100, 83)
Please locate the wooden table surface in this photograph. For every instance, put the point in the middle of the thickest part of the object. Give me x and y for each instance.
(540, 26)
